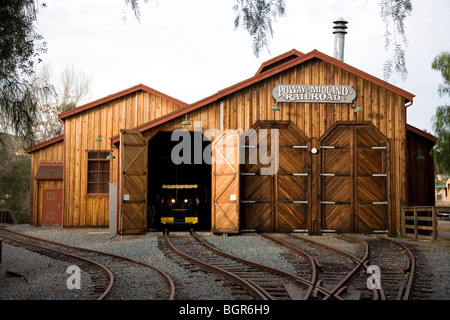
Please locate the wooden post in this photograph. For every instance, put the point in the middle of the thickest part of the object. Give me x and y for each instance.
(316, 190)
(434, 222)
(416, 229)
(403, 221)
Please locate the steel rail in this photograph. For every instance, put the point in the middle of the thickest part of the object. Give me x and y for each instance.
(250, 287)
(101, 267)
(166, 276)
(405, 290)
(282, 273)
(359, 262)
(304, 254)
(377, 293)
(412, 272)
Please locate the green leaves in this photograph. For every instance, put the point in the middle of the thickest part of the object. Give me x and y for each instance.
(256, 17)
(441, 127)
(442, 64)
(394, 13)
(441, 120)
(14, 174)
(20, 47)
(134, 4)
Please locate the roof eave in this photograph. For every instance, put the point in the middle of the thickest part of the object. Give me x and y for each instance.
(243, 84)
(117, 95)
(421, 133)
(45, 144)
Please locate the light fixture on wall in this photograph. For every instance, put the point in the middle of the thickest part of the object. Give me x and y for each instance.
(99, 139)
(186, 122)
(356, 107)
(110, 157)
(275, 107)
(420, 156)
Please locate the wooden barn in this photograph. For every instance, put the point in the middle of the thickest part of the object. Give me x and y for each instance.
(340, 163)
(80, 156)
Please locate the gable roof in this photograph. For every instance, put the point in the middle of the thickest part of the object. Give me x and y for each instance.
(421, 133)
(45, 144)
(117, 95)
(279, 60)
(268, 69)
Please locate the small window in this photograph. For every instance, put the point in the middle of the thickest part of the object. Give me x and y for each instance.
(98, 172)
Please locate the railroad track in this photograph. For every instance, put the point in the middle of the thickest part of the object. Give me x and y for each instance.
(334, 268)
(109, 274)
(345, 272)
(257, 281)
(323, 271)
(422, 288)
(397, 268)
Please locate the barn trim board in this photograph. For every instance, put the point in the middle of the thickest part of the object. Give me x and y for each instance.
(299, 195)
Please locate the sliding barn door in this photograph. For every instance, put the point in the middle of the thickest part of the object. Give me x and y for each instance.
(279, 200)
(291, 181)
(354, 180)
(337, 180)
(257, 189)
(133, 179)
(225, 183)
(371, 180)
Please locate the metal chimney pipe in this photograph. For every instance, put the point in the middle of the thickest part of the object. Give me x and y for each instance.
(339, 38)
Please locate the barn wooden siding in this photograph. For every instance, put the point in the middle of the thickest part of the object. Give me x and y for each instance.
(383, 108)
(106, 119)
(420, 171)
(47, 153)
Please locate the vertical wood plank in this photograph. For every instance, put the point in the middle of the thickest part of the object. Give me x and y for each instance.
(434, 223)
(416, 230)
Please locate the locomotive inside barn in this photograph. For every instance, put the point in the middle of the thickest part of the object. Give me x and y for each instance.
(183, 187)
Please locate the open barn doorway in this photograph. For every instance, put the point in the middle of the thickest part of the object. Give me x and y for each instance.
(180, 193)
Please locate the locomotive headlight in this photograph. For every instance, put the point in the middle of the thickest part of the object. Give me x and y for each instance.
(173, 200)
(185, 200)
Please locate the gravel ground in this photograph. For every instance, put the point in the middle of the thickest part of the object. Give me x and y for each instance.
(433, 261)
(254, 248)
(44, 272)
(189, 285)
(29, 275)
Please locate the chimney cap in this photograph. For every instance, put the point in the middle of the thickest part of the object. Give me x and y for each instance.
(340, 20)
(340, 25)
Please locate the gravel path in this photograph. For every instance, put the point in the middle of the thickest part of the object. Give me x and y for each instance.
(39, 270)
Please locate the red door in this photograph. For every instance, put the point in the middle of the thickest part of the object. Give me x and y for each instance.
(52, 206)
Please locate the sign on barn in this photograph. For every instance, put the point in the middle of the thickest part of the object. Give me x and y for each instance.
(314, 93)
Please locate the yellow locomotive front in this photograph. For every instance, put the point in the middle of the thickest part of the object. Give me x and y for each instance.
(179, 205)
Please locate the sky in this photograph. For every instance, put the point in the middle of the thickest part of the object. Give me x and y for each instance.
(191, 49)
